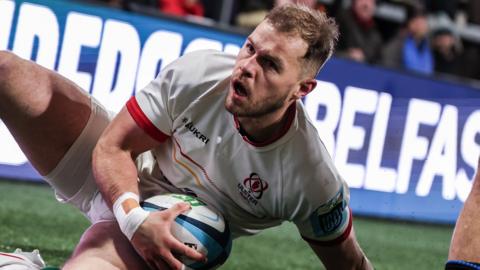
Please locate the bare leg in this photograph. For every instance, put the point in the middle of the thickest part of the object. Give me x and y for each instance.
(103, 246)
(465, 243)
(44, 111)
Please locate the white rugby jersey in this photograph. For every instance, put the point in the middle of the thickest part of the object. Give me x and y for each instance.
(255, 186)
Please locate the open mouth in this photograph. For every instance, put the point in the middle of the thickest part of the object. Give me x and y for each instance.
(239, 89)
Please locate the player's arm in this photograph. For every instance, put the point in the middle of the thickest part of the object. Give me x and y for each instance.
(116, 176)
(329, 228)
(344, 255)
(114, 154)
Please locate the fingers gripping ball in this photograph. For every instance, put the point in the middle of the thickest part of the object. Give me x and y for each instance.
(201, 228)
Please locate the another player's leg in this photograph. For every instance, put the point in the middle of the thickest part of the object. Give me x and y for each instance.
(44, 111)
(465, 245)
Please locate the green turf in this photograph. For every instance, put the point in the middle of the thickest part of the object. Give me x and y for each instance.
(31, 218)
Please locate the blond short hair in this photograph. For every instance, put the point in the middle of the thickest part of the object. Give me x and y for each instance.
(318, 30)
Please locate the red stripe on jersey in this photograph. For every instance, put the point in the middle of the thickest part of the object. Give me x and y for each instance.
(10, 255)
(143, 122)
(335, 241)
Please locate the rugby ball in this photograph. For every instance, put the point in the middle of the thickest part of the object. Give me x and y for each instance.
(201, 228)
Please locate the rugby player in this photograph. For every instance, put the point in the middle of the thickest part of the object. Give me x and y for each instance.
(465, 245)
(229, 130)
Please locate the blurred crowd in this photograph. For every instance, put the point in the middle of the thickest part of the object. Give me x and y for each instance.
(422, 36)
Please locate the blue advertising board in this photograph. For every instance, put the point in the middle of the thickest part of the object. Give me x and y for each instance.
(407, 145)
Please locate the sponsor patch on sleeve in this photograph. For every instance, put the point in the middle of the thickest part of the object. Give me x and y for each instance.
(329, 217)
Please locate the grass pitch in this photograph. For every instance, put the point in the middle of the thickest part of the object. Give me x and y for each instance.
(31, 218)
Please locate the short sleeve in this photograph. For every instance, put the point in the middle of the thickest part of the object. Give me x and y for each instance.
(330, 223)
(143, 121)
(319, 204)
(180, 84)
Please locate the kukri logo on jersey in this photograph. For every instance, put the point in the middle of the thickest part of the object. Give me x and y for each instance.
(191, 127)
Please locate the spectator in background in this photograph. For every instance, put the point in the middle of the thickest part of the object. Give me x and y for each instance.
(360, 39)
(181, 7)
(448, 7)
(471, 56)
(313, 4)
(446, 51)
(221, 11)
(113, 3)
(473, 11)
(410, 49)
(251, 12)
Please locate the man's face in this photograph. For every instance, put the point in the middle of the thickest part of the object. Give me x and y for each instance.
(266, 76)
(418, 26)
(365, 9)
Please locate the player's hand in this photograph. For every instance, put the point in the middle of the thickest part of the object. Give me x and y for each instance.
(155, 243)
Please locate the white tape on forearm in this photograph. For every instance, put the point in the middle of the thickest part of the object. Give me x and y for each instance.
(129, 222)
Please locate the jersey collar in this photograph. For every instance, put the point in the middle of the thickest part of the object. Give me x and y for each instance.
(291, 111)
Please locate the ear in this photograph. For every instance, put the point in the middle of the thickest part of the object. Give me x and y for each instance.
(306, 87)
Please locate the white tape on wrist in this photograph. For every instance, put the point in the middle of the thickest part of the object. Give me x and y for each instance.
(129, 214)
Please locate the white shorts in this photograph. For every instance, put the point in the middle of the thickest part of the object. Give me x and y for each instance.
(73, 181)
(73, 174)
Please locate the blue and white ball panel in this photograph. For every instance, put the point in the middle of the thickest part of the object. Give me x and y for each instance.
(214, 244)
(202, 211)
(329, 221)
(200, 228)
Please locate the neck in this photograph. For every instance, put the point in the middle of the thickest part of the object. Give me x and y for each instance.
(262, 129)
